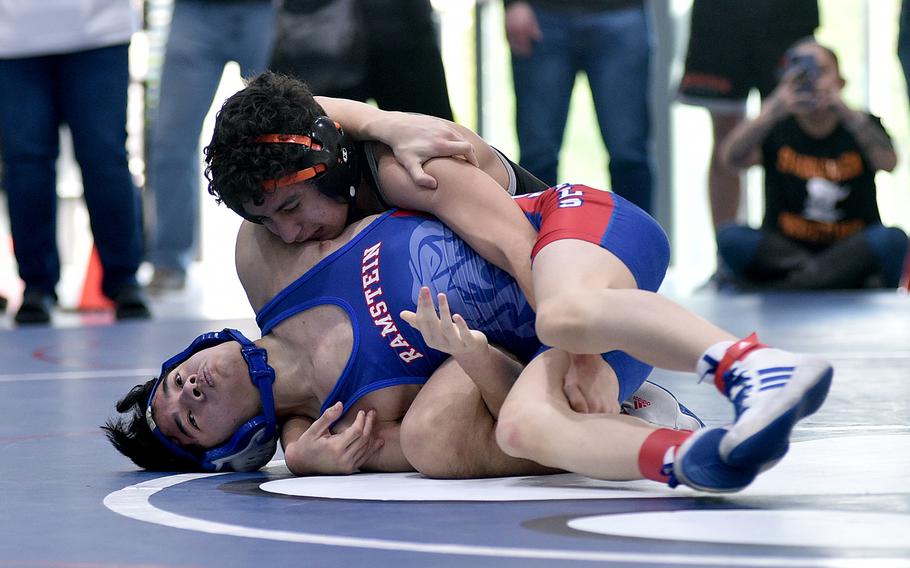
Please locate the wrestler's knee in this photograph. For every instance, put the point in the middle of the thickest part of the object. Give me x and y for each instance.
(430, 447)
(417, 439)
(561, 319)
(521, 428)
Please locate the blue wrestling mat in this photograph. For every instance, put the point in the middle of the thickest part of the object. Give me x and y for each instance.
(840, 498)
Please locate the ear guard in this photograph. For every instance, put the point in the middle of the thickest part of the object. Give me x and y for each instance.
(330, 160)
(255, 441)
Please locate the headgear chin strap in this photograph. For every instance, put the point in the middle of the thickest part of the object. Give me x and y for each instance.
(330, 161)
(255, 441)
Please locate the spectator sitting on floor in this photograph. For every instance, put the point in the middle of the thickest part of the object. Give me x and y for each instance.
(821, 227)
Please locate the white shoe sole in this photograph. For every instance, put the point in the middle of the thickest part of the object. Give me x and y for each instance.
(761, 436)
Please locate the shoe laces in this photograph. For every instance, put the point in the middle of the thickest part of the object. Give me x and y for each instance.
(729, 372)
(744, 384)
(739, 384)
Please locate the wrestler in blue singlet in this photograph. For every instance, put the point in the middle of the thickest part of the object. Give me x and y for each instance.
(378, 274)
(380, 271)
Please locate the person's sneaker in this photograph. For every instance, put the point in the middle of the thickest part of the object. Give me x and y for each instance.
(655, 404)
(35, 308)
(166, 279)
(770, 390)
(130, 303)
(698, 465)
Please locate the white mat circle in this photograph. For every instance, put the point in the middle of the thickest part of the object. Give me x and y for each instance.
(847, 465)
(800, 528)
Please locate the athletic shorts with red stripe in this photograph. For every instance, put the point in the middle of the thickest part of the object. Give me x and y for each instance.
(571, 211)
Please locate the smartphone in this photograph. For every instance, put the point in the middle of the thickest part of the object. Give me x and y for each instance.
(808, 71)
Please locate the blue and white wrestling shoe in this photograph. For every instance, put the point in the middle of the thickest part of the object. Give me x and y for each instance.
(655, 404)
(770, 390)
(698, 465)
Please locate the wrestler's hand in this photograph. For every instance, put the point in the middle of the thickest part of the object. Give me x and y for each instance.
(443, 331)
(591, 386)
(416, 138)
(319, 451)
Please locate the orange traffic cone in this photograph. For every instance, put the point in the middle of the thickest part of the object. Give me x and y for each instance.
(92, 299)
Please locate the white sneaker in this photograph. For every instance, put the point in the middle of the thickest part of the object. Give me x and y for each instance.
(655, 404)
(770, 390)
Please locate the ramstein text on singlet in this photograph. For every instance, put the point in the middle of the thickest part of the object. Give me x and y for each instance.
(379, 310)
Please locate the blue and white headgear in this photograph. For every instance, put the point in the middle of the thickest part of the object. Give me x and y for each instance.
(255, 441)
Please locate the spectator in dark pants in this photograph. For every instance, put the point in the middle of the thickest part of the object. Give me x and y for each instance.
(736, 46)
(404, 70)
(384, 50)
(195, 55)
(610, 41)
(69, 66)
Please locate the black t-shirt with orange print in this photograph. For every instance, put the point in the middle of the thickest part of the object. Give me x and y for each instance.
(817, 190)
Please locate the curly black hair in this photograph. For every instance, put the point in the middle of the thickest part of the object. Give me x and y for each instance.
(133, 438)
(270, 104)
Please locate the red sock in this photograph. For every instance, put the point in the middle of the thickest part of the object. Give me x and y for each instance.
(651, 456)
(736, 352)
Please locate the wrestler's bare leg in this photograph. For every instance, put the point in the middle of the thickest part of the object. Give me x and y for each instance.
(587, 302)
(449, 431)
(537, 423)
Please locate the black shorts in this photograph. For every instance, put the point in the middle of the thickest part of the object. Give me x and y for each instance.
(521, 181)
(738, 45)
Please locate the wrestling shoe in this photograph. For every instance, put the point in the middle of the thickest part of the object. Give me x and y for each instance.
(655, 404)
(698, 465)
(770, 390)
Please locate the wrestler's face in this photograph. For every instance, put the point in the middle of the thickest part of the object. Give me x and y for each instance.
(206, 398)
(300, 212)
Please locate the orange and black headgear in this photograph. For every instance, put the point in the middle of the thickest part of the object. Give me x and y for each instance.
(329, 160)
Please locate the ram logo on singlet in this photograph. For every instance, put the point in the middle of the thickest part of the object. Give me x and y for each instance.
(379, 310)
(568, 196)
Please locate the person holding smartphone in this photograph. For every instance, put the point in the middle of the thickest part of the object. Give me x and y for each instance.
(821, 227)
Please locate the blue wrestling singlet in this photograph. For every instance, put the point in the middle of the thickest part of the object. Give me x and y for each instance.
(378, 274)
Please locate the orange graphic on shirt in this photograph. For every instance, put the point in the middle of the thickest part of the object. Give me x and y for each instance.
(846, 166)
(817, 232)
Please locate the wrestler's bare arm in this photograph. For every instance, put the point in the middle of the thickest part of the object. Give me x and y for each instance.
(473, 205)
(414, 138)
(311, 447)
(493, 371)
(449, 430)
(389, 458)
